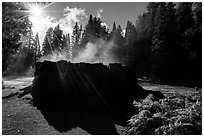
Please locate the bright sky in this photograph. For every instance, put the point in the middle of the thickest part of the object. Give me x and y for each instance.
(67, 13)
(119, 12)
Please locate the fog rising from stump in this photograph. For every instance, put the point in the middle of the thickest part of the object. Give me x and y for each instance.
(99, 51)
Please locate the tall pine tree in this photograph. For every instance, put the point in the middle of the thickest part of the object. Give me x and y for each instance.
(37, 51)
(47, 47)
(130, 36)
(112, 33)
(57, 41)
(76, 39)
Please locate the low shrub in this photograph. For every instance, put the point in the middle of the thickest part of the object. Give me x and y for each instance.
(174, 115)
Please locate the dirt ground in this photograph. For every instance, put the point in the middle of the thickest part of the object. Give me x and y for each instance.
(19, 117)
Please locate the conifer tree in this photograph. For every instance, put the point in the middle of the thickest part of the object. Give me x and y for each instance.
(57, 41)
(47, 47)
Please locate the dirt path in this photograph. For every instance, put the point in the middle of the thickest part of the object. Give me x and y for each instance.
(167, 89)
(19, 117)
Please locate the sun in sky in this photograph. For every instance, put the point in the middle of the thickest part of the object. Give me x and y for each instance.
(41, 19)
(36, 11)
(36, 15)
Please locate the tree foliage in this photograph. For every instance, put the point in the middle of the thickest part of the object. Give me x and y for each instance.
(14, 24)
(37, 50)
(167, 42)
(93, 31)
(130, 36)
(57, 41)
(76, 39)
(47, 43)
(116, 37)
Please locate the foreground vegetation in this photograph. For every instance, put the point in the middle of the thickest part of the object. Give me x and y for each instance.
(174, 115)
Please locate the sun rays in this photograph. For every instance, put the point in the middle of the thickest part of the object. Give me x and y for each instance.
(36, 11)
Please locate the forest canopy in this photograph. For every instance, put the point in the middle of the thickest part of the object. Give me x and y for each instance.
(163, 44)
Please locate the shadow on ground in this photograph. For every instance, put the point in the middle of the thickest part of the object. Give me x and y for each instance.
(96, 124)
